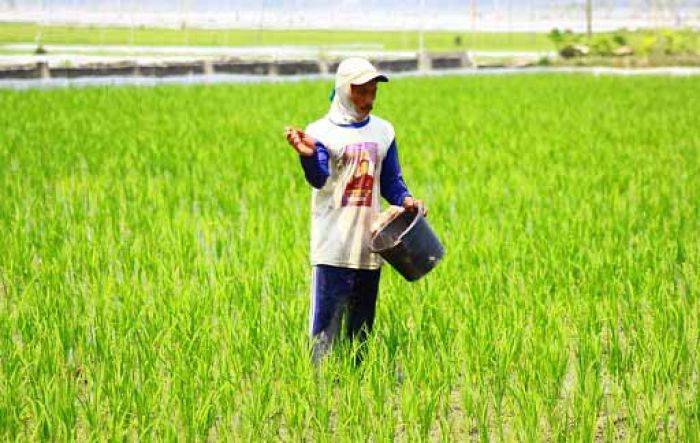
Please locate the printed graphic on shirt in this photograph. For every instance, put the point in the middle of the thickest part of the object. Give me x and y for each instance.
(361, 159)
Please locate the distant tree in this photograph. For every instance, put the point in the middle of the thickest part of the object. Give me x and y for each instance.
(556, 36)
(619, 39)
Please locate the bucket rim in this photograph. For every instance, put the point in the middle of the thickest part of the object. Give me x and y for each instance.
(418, 215)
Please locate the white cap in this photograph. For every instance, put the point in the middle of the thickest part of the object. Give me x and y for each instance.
(357, 71)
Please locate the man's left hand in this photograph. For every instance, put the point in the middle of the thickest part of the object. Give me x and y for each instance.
(412, 205)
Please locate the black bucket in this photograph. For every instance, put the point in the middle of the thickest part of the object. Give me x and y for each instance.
(409, 245)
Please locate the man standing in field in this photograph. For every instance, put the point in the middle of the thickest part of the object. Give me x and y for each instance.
(349, 157)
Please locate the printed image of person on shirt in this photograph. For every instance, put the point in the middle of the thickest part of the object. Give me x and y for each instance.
(350, 158)
(358, 191)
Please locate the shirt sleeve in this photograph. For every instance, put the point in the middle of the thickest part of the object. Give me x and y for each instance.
(316, 166)
(391, 184)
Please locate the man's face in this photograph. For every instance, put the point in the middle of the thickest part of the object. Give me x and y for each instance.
(362, 96)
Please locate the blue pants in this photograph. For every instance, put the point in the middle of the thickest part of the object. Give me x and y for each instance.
(336, 291)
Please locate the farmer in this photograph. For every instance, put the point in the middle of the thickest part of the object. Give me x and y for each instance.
(349, 157)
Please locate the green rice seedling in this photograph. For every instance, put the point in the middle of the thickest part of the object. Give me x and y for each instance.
(154, 272)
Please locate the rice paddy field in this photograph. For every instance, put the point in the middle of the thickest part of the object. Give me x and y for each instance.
(154, 275)
(389, 40)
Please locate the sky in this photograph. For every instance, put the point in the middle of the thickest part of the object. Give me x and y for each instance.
(496, 15)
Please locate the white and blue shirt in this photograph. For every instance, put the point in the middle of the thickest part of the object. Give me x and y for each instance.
(352, 166)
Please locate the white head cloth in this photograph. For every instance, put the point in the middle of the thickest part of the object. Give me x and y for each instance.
(351, 71)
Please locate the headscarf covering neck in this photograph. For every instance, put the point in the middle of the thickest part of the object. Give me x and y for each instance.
(342, 110)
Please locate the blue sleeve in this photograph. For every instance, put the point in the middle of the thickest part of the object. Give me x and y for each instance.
(316, 166)
(391, 184)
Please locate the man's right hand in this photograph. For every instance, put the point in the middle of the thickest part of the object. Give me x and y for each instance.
(302, 143)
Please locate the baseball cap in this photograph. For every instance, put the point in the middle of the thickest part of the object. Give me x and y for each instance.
(356, 71)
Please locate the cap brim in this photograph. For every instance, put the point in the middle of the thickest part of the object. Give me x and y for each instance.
(369, 77)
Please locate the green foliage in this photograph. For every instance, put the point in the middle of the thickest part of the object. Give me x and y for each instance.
(556, 36)
(674, 42)
(154, 270)
(645, 43)
(648, 44)
(602, 45)
(562, 39)
(669, 42)
(568, 43)
(619, 39)
(544, 61)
